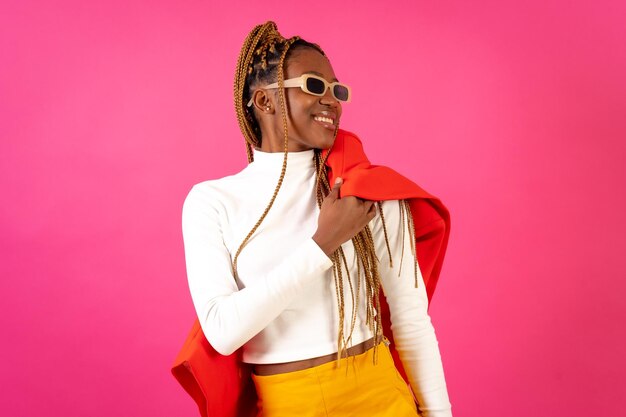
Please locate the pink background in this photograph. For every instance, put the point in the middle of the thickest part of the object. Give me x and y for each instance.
(513, 114)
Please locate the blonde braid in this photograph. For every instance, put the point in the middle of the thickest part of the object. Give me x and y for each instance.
(382, 217)
(261, 40)
(411, 227)
(288, 42)
(245, 57)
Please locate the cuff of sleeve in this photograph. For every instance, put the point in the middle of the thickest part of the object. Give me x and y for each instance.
(318, 257)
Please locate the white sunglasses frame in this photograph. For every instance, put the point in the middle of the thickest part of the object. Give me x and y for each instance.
(301, 82)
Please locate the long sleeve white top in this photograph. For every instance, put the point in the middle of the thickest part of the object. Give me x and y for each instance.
(283, 305)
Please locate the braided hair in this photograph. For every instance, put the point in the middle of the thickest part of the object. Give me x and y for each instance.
(261, 62)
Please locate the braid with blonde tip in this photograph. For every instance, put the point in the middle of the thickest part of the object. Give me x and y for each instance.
(261, 62)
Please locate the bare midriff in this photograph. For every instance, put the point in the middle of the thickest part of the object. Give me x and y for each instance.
(265, 369)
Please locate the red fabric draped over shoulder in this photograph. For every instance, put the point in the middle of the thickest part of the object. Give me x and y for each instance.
(221, 385)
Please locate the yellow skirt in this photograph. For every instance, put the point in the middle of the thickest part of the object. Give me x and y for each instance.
(356, 388)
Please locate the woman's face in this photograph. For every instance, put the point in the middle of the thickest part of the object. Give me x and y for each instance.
(304, 131)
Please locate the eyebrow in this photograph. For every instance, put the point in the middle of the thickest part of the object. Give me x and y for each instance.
(321, 75)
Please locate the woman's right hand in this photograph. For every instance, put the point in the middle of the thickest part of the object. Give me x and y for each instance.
(340, 219)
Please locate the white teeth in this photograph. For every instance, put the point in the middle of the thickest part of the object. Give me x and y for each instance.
(323, 119)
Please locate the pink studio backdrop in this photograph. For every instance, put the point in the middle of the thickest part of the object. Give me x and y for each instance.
(513, 114)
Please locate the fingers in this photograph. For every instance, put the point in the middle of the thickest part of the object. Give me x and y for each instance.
(371, 212)
(366, 204)
(334, 192)
(369, 207)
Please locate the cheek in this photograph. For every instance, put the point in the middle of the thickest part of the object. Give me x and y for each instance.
(301, 105)
(301, 115)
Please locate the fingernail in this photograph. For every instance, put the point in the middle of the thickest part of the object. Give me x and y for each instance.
(338, 180)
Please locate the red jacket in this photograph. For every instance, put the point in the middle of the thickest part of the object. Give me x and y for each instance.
(221, 385)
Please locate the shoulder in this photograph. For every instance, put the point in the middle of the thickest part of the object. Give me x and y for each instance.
(348, 136)
(388, 211)
(215, 192)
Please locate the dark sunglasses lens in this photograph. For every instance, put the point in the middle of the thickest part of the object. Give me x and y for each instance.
(315, 86)
(341, 92)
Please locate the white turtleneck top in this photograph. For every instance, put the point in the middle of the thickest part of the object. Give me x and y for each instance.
(283, 307)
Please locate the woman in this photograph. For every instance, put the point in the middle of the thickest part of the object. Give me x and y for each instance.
(275, 258)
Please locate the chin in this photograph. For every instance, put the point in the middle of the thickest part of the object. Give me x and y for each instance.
(325, 144)
(328, 140)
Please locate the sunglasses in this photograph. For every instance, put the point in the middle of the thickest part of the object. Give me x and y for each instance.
(317, 86)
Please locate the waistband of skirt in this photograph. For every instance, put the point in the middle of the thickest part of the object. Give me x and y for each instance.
(359, 360)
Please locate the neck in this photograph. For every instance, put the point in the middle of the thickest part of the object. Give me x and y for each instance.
(269, 147)
(296, 161)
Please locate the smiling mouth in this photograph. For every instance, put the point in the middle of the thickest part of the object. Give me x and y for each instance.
(327, 122)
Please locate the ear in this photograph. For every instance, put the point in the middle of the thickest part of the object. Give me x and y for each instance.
(263, 101)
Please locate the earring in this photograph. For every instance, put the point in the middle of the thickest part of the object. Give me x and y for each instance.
(267, 108)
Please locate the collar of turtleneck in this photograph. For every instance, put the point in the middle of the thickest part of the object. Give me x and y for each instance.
(302, 160)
